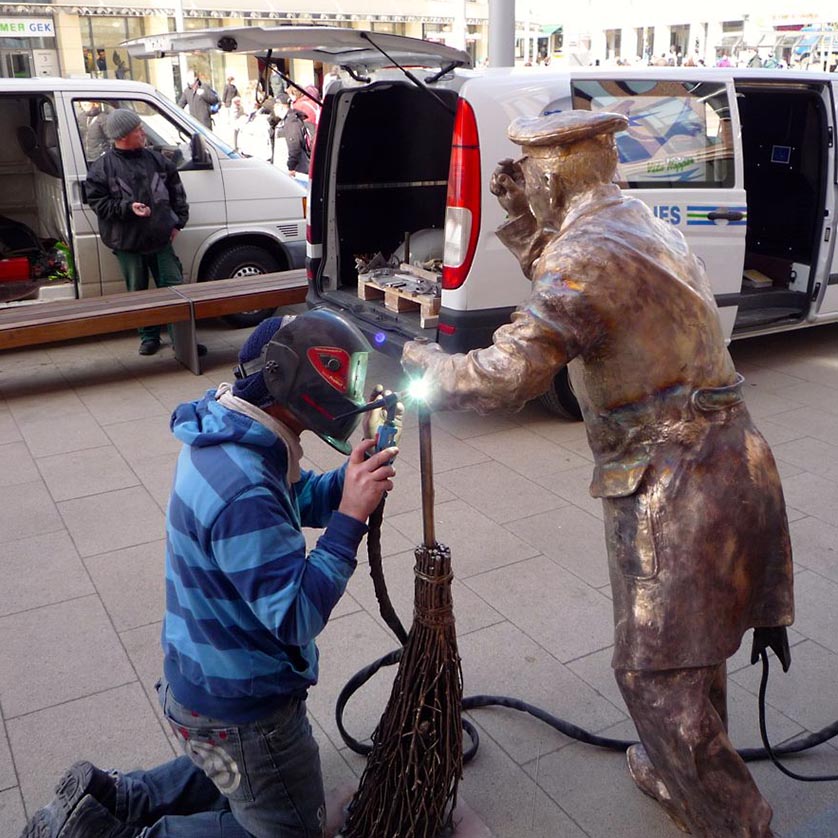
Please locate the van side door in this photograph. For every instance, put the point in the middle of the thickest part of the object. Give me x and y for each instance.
(680, 156)
(828, 292)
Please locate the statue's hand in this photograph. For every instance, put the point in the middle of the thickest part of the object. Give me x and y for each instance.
(416, 356)
(507, 184)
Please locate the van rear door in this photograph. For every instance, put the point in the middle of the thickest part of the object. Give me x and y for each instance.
(680, 155)
(354, 48)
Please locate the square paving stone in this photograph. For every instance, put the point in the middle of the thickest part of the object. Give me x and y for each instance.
(570, 537)
(106, 522)
(348, 644)
(806, 693)
(40, 570)
(18, 465)
(58, 653)
(143, 648)
(131, 583)
(113, 729)
(113, 399)
(511, 804)
(8, 428)
(816, 614)
(12, 816)
(813, 495)
(527, 453)
(449, 452)
(574, 487)
(476, 542)
(466, 425)
(157, 475)
(811, 454)
(8, 777)
(91, 471)
(53, 435)
(144, 439)
(594, 787)
(498, 492)
(815, 546)
(470, 612)
(27, 509)
(501, 660)
(550, 604)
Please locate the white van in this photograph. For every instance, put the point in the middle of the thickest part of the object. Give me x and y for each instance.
(741, 161)
(245, 216)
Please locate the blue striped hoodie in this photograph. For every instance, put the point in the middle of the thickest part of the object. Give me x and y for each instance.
(244, 602)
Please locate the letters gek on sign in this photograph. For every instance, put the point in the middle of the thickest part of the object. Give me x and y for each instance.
(22, 27)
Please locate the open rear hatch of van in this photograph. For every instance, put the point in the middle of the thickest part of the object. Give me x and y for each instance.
(379, 173)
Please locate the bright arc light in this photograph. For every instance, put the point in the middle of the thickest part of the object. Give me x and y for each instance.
(418, 390)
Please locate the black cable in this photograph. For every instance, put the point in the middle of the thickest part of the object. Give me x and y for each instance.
(567, 728)
(763, 686)
(573, 731)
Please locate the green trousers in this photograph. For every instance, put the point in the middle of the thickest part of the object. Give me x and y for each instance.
(164, 267)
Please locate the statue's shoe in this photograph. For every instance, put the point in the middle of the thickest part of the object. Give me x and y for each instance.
(649, 782)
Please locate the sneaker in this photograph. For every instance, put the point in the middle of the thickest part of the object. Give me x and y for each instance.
(149, 347)
(81, 779)
(92, 820)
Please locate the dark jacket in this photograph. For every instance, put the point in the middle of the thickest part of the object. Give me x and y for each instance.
(294, 131)
(199, 100)
(230, 93)
(95, 141)
(120, 178)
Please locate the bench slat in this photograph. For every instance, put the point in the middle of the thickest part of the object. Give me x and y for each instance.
(229, 296)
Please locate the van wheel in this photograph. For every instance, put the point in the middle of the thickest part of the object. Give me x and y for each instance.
(244, 260)
(560, 398)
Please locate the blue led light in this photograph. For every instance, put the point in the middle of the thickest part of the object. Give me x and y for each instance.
(379, 338)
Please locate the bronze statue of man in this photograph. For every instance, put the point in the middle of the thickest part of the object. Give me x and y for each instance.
(695, 520)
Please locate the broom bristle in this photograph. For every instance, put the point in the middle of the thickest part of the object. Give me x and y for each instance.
(409, 786)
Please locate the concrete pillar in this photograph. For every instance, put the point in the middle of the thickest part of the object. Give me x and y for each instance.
(68, 42)
(628, 43)
(714, 37)
(660, 42)
(501, 33)
(160, 69)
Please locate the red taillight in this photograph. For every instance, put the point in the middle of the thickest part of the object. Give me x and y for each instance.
(462, 213)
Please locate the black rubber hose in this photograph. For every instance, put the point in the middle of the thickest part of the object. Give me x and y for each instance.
(571, 730)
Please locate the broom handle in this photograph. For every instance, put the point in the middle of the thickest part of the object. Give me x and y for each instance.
(426, 468)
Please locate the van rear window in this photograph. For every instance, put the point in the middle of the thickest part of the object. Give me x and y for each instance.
(679, 133)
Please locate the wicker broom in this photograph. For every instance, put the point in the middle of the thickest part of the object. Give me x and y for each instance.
(409, 786)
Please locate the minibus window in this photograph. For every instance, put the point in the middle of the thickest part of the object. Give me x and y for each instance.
(678, 136)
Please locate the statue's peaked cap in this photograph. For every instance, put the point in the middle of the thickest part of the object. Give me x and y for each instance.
(566, 128)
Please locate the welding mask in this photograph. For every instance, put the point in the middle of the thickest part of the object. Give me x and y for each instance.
(315, 366)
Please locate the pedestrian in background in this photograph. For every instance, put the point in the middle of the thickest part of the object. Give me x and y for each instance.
(227, 96)
(199, 99)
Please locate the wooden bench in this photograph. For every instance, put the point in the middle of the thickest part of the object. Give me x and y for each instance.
(182, 306)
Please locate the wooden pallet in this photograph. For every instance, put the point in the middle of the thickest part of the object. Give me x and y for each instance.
(401, 300)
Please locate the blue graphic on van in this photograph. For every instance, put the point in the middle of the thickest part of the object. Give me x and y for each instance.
(668, 212)
(700, 216)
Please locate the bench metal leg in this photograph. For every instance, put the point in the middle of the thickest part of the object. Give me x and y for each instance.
(185, 339)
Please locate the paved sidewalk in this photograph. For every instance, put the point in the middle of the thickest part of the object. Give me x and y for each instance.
(86, 460)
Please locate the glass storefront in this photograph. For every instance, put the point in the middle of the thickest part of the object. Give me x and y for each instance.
(101, 37)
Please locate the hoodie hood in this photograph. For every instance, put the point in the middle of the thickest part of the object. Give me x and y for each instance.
(206, 422)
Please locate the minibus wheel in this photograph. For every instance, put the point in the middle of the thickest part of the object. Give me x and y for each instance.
(560, 398)
(243, 260)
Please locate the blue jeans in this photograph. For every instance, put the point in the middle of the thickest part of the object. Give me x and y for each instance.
(257, 780)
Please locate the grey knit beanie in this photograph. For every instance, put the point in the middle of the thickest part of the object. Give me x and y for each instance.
(121, 122)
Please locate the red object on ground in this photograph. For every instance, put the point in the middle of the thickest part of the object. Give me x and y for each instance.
(14, 270)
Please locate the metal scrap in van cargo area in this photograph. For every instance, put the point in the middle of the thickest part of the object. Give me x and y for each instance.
(422, 279)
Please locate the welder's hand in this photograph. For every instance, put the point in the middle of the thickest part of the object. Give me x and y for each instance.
(366, 480)
(376, 417)
(507, 184)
